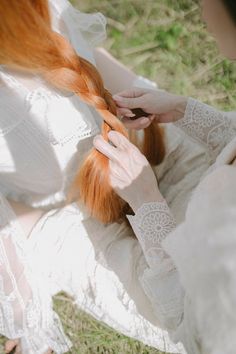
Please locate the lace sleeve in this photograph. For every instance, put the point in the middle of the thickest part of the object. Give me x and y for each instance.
(25, 306)
(208, 126)
(203, 250)
(151, 224)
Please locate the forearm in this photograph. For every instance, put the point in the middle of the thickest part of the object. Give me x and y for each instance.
(117, 77)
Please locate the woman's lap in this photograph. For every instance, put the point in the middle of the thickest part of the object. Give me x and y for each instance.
(100, 267)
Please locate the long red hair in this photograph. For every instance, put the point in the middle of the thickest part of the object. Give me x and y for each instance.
(29, 43)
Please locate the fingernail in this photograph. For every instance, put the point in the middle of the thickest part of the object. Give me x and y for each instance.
(130, 115)
(144, 120)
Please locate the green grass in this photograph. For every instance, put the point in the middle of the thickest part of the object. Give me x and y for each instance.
(92, 337)
(166, 41)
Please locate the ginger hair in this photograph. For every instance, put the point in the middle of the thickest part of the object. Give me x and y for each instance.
(28, 43)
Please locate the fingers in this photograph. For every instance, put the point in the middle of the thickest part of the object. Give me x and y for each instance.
(10, 345)
(13, 345)
(121, 112)
(131, 93)
(18, 350)
(130, 99)
(137, 124)
(118, 140)
(105, 148)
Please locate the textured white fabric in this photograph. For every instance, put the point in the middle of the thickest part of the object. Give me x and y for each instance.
(207, 125)
(84, 30)
(199, 312)
(151, 224)
(94, 264)
(203, 249)
(26, 305)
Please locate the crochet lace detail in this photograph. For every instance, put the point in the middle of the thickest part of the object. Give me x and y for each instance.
(207, 125)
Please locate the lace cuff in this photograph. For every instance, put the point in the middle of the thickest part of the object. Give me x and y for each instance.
(163, 288)
(208, 126)
(151, 224)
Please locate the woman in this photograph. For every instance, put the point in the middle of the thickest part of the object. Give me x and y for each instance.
(191, 276)
(44, 133)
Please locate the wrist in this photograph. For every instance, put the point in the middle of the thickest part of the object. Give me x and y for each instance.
(151, 198)
(180, 107)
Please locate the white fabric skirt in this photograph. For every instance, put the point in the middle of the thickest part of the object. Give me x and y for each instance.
(100, 265)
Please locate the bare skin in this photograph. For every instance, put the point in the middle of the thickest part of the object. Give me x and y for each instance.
(221, 25)
(11, 345)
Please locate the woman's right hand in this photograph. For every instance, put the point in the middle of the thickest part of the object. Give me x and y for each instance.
(161, 105)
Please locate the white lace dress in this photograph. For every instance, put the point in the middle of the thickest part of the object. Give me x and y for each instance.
(67, 250)
(191, 275)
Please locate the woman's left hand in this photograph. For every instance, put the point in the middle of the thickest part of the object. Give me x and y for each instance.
(14, 345)
(131, 176)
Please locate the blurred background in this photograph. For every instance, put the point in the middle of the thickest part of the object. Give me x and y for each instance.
(165, 41)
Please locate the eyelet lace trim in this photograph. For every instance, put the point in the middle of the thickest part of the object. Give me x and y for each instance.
(45, 98)
(207, 125)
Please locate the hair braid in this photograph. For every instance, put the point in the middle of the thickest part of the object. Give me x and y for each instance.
(54, 58)
(92, 180)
